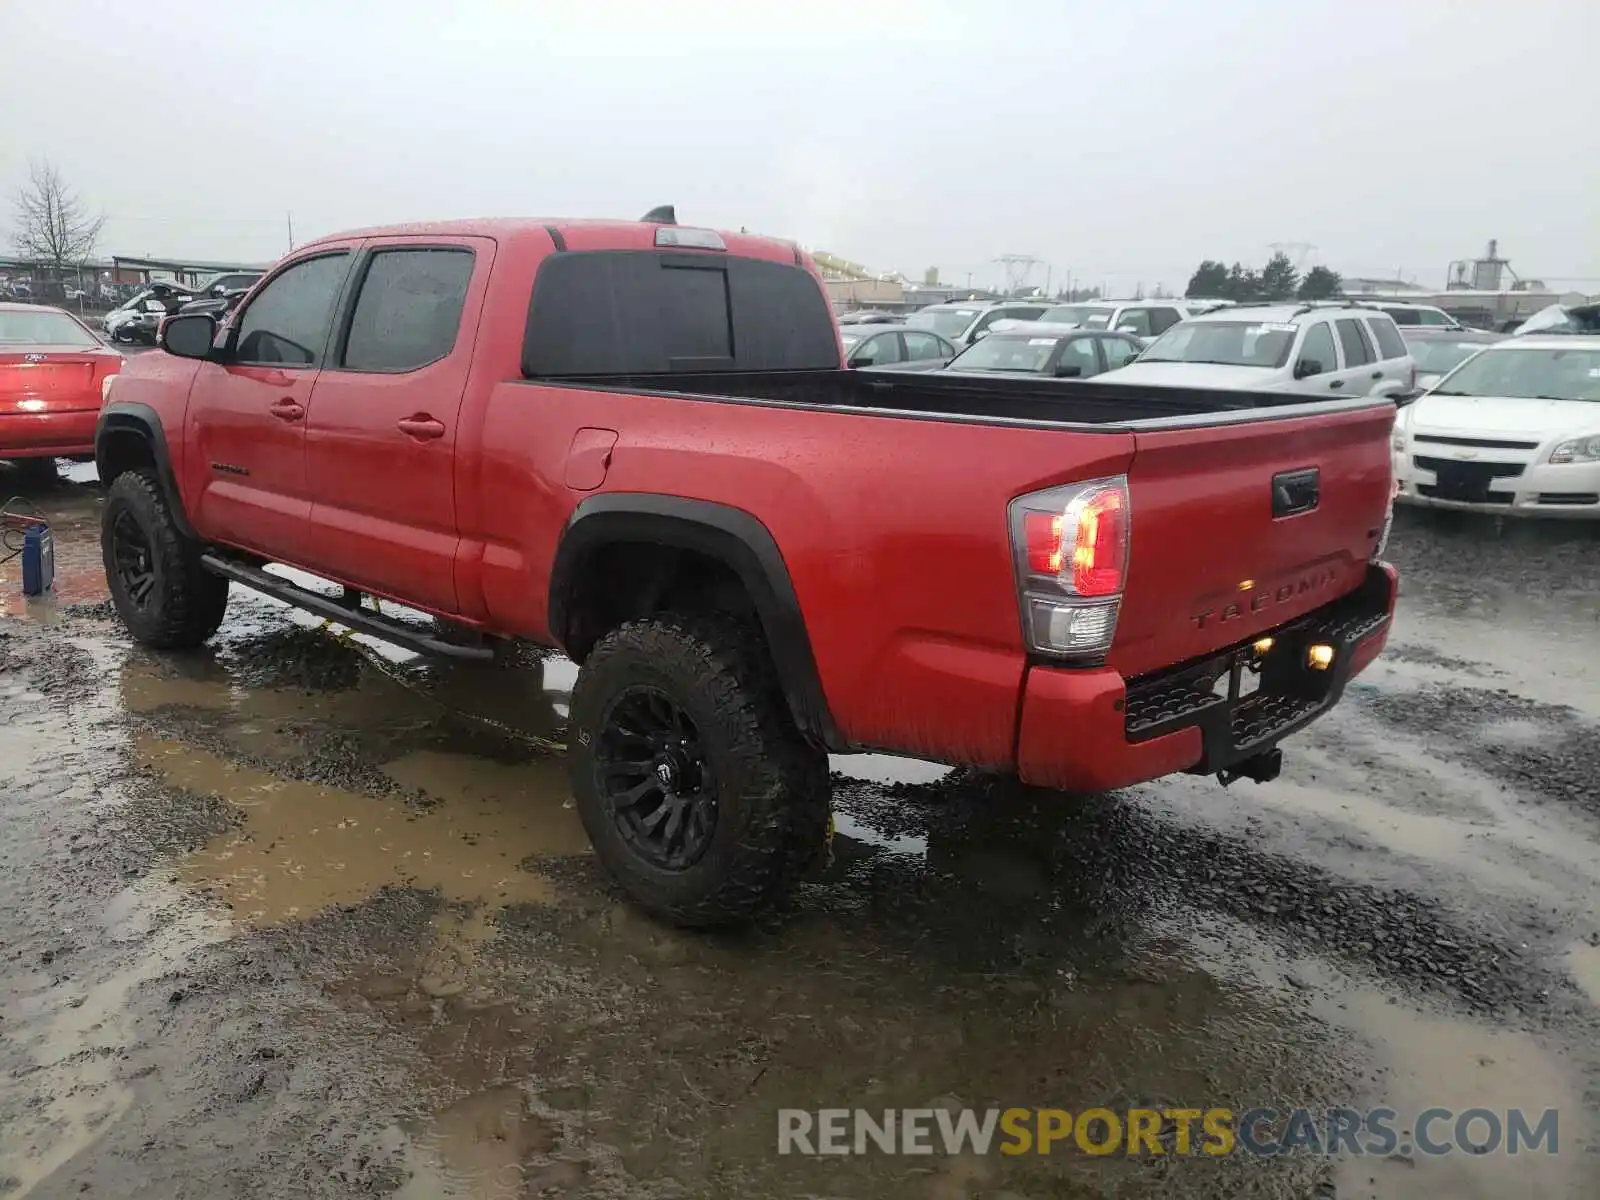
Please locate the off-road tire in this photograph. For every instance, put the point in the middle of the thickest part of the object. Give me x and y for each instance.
(187, 602)
(771, 787)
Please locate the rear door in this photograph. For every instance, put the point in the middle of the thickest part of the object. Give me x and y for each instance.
(1362, 372)
(246, 419)
(1216, 554)
(383, 423)
(1395, 363)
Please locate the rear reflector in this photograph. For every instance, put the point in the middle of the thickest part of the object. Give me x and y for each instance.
(693, 239)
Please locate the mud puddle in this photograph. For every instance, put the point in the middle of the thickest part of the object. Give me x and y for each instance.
(302, 848)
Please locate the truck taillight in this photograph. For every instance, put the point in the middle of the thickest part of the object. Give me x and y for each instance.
(1071, 550)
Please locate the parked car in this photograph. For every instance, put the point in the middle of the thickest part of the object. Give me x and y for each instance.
(1437, 352)
(1514, 430)
(867, 316)
(219, 305)
(964, 323)
(52, 373)
(1144, 319)
(138, 318)
(1423, 316)
(534, 430)
(230, 281)
(886, 345)
(1034, 348)
(1317, 348)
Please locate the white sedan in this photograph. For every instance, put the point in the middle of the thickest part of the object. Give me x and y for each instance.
(1514, 430)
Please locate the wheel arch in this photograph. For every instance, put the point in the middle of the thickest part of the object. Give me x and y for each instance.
(129, 437)
(729, 537)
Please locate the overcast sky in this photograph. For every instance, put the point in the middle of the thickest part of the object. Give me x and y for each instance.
(1120, 140)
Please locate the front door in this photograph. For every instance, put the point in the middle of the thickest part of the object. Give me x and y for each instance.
(245, 437)
(382, 431)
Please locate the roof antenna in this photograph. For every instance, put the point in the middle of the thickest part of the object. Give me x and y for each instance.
(663, 214)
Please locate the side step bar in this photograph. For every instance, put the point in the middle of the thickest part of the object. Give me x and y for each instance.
(359, 619)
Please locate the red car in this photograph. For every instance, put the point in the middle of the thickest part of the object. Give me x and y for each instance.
(637, 442)
(52, 376)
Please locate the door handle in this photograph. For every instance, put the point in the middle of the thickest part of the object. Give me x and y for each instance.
(421, 425)
(1337, 383)
(1377, 374)
(287, 409)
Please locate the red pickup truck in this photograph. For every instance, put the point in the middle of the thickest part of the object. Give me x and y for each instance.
(635, 441)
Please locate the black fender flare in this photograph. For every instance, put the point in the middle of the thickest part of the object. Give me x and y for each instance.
(120, 417)
(727, 534)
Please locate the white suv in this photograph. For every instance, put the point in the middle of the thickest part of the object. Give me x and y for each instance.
(1323, 349)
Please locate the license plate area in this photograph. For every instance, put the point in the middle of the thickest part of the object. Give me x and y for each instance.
(1468, 484)
(1241, 680)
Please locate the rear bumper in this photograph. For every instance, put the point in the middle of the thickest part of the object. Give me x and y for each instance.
(1091, 730)
(47, 434)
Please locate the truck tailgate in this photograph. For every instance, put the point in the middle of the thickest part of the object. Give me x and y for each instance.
(1239, 527)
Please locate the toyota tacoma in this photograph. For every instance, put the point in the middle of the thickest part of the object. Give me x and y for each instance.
(636, 442)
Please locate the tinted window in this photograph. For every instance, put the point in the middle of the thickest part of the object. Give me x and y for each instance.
(1318, 348)
(1137, 320)
(876, 351)
(629, 312)
(1404, 316)
(408, 310)
(1389, 343)
(925, 345)
(1163, 319)
(287, 322)
(1357, 348)
(1435, 318)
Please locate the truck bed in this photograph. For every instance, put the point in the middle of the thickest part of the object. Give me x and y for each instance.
(1002, 398)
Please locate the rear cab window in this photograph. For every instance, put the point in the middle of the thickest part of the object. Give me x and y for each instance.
(648, 312)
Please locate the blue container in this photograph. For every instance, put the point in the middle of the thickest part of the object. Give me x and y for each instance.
(38, 560)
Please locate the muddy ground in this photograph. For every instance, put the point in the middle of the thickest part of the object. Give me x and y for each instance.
(284, 918)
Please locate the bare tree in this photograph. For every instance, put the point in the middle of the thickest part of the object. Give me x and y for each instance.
(52, 225)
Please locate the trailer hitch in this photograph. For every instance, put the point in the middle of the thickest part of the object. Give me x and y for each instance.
(1263, 768)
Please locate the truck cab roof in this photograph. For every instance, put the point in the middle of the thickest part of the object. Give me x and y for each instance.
(581, 234)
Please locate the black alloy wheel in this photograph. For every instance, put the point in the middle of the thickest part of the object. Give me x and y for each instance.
(650, 768)
(134, 559)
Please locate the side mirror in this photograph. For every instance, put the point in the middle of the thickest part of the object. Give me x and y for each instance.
(861, 360)
(1068, 370)
(188, 335)
(1306, 368)
(1131, 359)
(1401, 399)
